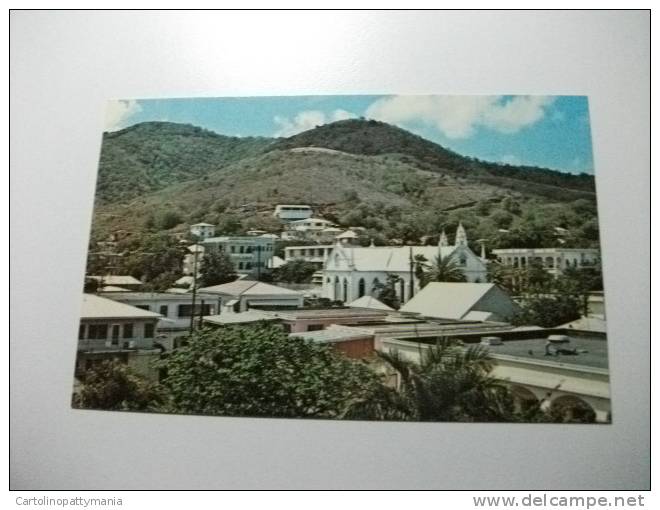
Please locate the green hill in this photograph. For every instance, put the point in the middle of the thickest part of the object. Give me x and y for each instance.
(150, 156)
(376, 138)
(161, 177)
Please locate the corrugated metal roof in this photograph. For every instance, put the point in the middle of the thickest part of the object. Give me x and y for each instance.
(369, 302)
(333, 334)
(118, 280)
(249, 288)
(240, 318)
(447, 300)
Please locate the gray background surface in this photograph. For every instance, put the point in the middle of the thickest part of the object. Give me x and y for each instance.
(64, 65)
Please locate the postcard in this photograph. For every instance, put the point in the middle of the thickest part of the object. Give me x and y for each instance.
(367, 257)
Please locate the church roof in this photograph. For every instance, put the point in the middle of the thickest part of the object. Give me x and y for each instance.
(447, 300)
(369, 302)
(392, 258)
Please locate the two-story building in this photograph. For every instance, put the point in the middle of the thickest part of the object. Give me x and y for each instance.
(202, 230)
(112, 330)
(250, 254)
(554, 260)
(175, 310)
(292, 212)
(315, 253)
(311, 229)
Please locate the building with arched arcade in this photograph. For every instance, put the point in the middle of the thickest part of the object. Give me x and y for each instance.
(351, 272)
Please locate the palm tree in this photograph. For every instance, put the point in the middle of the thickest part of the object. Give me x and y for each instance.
(450, 383)
(443, 269)
(421, 265)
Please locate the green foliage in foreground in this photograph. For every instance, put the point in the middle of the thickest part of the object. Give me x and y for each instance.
(113, 386)
(260, 371)
(452, 383)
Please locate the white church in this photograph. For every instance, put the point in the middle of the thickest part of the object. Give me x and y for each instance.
(351, 272)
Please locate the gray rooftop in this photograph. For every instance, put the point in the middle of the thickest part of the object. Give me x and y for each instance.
(333, 335)
(595, 348)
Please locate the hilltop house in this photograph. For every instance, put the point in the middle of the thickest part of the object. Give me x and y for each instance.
(292, 212)
(311, 229)
(202, 230)
(352, 272)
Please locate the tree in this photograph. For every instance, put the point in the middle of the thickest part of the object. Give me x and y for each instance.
(216, 268)
(261, 371)
(386, 292)
(295, 271)
(421, 265)
(510, 205)
(156, 254)
(450, 383)
(443, 269)
(547, 310)
(112, 385)
(502, 219)
(169, 219)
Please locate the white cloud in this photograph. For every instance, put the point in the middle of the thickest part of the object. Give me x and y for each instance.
(459, 116)
(308, 119)
(510, 159)
(118, 112)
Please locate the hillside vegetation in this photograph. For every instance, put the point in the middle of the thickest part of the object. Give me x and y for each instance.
(158, 178)
(150, 156)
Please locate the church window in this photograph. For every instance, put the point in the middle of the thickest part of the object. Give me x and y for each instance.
(361, 287)
(345, 290)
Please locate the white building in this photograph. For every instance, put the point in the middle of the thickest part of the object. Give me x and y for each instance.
(175, 310)
(462, 301)
(311, 229)
(569, 383)
(250, 254)
(292, 212)
(242, 295)
(554, 260)
(202, 230)
(111, 330)
(352, 272)
(315, 253)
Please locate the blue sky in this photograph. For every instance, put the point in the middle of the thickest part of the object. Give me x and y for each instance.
(548, 131)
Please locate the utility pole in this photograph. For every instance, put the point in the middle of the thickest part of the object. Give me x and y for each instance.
(412, 275)
(258, 262)
(194, 289)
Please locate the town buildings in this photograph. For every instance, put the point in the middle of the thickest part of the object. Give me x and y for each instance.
(352, 272)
